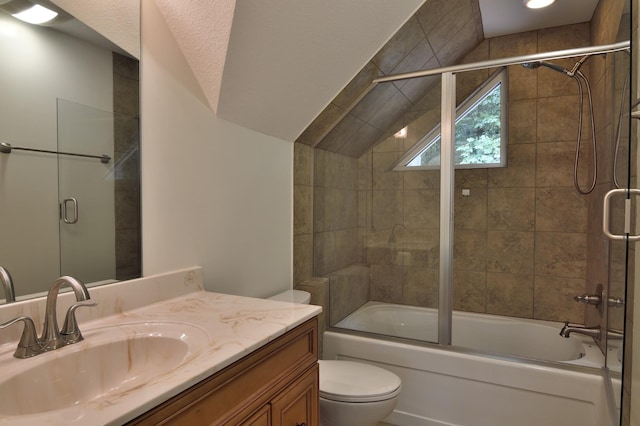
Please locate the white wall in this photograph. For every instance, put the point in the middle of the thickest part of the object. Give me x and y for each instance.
(38, 66)
(213, 193)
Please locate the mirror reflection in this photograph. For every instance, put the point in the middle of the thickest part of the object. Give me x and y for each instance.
(68, 96)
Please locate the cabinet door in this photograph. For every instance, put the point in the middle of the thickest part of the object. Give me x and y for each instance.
(261, 418)
(298, 405)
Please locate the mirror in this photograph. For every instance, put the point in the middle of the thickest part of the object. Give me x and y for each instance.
(67, 89)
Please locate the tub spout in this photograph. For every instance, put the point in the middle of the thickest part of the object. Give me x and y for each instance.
(567, 329)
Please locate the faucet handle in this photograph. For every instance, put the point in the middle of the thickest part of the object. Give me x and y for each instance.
(29, 345)
(70, 331)
(589, 299)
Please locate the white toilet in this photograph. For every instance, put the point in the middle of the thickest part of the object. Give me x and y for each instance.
(351, 393)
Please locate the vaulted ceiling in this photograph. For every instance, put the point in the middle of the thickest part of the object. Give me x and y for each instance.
(292, 69)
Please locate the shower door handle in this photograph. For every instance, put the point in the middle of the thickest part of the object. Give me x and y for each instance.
(65, 211)
(627, 214)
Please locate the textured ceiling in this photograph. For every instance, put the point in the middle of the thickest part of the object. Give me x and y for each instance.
(285, 59)
(202, 29)
(117, 20)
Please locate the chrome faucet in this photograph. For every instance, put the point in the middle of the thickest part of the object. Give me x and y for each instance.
(594, 332)
(29, 344)
(52, 337)
(579, 329)
(7, 284)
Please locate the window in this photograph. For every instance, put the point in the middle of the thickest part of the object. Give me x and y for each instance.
(480, 141)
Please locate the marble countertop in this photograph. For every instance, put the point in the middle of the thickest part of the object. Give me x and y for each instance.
(232, 326)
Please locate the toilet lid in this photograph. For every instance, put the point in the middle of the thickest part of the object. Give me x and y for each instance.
(349, 381)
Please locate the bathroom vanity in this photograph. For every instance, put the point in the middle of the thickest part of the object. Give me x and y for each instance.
(276, 385)
(161, 350)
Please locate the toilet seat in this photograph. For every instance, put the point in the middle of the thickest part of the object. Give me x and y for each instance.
(348, 381)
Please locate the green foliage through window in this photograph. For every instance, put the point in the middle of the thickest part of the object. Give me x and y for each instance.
(479, 136)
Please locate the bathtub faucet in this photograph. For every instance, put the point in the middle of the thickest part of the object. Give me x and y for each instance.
(580, 329)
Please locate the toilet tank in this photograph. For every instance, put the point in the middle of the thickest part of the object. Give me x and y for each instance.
(295, 296)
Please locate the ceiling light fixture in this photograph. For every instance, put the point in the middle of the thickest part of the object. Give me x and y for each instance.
(36, 15)
(29, 11)
(537, 4)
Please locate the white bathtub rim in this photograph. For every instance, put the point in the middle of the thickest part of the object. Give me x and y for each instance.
(593, 357)
(477, 360)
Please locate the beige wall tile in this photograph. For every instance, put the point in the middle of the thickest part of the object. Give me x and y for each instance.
(324, 260)
(561, 254)
(523, 83)
(510, 252)
(514, 45)
(386, 209)
(420, 286)
(471, 178)
(553, 299)
(469, 291)
(521, 168)
(346, 247)
(386, 284)
(320, 125)
(382, 176)
(471, 210)
(447, 18)
(511, 209)
(421, 179)
(348, 290)
(555, 164)
(510, 294)
(302, 209)
(522, 121)
(302, 257)
(356, 86)
(399, 46)
(558, 119)
(302, 164)
(560, 209)
(422, 208)
(470, 250)
(565, 37)
(554, 83)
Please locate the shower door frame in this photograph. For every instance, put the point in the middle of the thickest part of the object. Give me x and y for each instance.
(447, 151)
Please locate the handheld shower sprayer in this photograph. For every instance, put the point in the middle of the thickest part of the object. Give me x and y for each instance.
(580, 78)
(538, 64)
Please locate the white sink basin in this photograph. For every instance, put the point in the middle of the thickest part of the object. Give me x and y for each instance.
(109, 363)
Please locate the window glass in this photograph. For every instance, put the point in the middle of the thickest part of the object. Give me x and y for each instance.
(480, 132)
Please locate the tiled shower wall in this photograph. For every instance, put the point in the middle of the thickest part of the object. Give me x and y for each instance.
(126, 107)
(521, 236)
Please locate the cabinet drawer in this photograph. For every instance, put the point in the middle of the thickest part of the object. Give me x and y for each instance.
(244, 387)
(261, 418)
(298, 404)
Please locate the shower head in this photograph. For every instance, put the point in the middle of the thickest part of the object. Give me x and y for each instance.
(538, 64)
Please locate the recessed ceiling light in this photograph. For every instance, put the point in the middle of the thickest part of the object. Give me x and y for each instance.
(537, 4)
(36, 15)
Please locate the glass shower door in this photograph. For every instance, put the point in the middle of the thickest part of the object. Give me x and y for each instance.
(86, 192)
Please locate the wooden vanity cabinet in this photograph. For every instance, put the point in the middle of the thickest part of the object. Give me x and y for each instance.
(277, 385)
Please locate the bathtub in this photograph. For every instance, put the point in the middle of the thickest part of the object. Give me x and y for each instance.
(493, 381)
